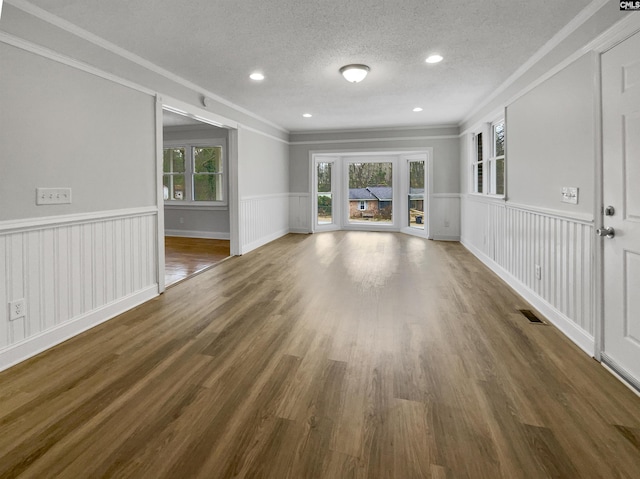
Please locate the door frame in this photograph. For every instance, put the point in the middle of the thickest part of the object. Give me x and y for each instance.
(428, 188)
(336, 189)
(618, 33)
(368, 152)
(182, 108)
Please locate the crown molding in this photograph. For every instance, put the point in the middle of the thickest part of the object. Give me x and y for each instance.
(374, 140)
(111, 47)
(558, 38)
(366, 130)
(27, 46)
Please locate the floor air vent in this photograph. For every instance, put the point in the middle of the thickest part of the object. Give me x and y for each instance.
(530, 316)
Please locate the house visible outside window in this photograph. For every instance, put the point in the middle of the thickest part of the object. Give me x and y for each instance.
(488, 161)
(194, 174)
(362, 205)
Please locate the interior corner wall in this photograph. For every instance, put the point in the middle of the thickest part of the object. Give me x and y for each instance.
(263, 185)
(78, 264)
(550, 140)
(446, 168)
(197, 221)
(550, 143)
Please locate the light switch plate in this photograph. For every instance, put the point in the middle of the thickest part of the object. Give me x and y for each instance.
(53, 196)
(570, 195)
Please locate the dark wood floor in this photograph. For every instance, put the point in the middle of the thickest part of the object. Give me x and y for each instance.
(185, 257)
(337, 355)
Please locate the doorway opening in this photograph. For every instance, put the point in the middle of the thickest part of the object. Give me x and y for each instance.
(195, 165)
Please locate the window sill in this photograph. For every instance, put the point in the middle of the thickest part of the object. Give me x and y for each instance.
(196, 206)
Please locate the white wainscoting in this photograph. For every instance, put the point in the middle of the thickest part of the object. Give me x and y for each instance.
(73, 272)
(445, 221)
(513, 239)
(262, 220)
(299, 213)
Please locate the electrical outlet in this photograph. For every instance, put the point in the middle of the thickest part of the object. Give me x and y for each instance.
(538, 272)
(16, 309)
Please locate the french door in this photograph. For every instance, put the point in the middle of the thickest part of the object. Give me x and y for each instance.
(371, 191)
(415, 195)
(326, 192)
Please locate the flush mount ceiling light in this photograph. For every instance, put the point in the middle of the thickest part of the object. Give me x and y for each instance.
(417, 109)
(257, 76)
(354, 73)
(434, 59)
(307, 115)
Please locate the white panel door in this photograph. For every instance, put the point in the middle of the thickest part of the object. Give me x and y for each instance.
(621, 177)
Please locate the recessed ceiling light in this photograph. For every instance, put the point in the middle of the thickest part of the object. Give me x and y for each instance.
(434, 59)
(307, 115)
(257, 76)
(416, 109)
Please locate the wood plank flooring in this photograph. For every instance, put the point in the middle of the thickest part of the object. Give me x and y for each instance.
(336, 355)
(185, 257)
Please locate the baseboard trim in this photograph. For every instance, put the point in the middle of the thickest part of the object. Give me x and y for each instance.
(244, 249)
(198, 234)
(570, 329)
(302, 231)
(621, 373)
(445, 238)
(44, 340)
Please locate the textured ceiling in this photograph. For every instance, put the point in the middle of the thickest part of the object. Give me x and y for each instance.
(299, 45)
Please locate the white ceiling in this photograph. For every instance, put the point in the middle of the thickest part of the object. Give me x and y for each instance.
(299, 45)
(170, 119)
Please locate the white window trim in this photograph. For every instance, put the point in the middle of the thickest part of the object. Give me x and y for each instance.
(188, 145)
(488, 161)
(492, 161)
(362, 205)
(473, 183)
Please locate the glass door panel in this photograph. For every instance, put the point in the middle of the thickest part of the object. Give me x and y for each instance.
(416, 200)
(371, 193)
(324, 194)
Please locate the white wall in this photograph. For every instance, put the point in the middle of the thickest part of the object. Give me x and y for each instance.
(61, 127)
(80, 264)
(77, 112)
(198, 221)
(551, 106)
(446, 168)
(551, 140)
(550, 144)
(263, 182)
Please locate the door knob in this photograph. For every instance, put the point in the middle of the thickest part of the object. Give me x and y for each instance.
(606, 232)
